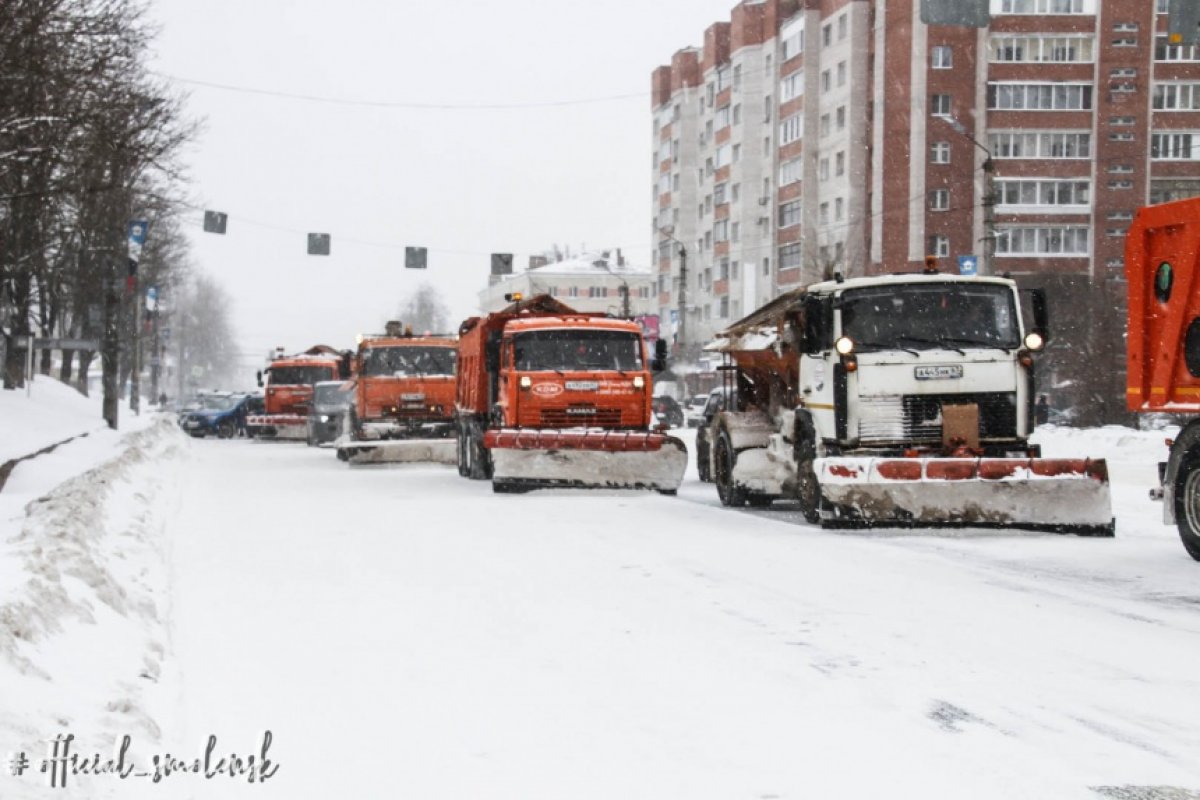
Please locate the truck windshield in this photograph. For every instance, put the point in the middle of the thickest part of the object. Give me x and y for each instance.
(297, 376)
(408, 360)
(576, 350)
(930, 315)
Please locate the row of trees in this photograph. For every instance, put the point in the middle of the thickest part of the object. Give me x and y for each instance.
(89, 140)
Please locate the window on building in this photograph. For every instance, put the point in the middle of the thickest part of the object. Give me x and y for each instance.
(722, 117)
(1045, 7)
(1034, 48)
(823, 169)
(825, 126)
(767, 108)
(718, 195)
(840, 118)
(1040, 144)
(791, 86)
(734, 231)
(1176, 97)
(942, 56)
(841, 73)
(789, 213)
(766, 145)
(737, 77)
(826, 35)
(939, 200)
(721, 230)
(1037, 240)
(721, 156)
(737, 114)
(573, 291)
(939, 153)
(843, 25)
(737, 153)
(1164, 191)
(793, 45)
(709, 94)
(839, 209)
(826, 81)
(791, 129)
(790, 256)
(1039, 96)
(1174, 147)
(939, 105)
(766, 265)
(823, 213)
(839, 163)
(1043, 192)
(791, 171)
(1164, 51)
(939, 246)
(723, 307)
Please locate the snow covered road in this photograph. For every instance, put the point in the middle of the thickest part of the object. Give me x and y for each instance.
(406, 633)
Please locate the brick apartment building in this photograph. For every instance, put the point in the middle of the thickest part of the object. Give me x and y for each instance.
(808, 136)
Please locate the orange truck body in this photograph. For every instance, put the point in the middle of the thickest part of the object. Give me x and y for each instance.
(288, 391)
(594, 400)
(1162, 266)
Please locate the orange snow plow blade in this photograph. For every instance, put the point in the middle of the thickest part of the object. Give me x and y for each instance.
(1060, 495)
(527, 459)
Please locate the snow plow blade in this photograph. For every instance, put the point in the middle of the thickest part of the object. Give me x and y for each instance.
(279, 426)
(1059, 495)
(398, 451)
(594, 459)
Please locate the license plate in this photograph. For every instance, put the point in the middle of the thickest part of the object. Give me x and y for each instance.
(582, 386)
(412, 397)
(939, 373)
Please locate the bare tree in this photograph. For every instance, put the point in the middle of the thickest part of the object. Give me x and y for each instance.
(425, 311)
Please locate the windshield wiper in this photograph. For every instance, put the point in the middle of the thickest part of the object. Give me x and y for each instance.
(935, 342)
(976, 343)
(889, 346)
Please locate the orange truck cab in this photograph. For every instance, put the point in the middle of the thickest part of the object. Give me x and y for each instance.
(1162, 266)
(405, 387)
(288, 390)
(548, 396)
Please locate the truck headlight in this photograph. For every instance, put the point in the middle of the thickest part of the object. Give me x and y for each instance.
(1034, 341)
(324, 418)
(526, 381)
(639, 382)
(844, 345)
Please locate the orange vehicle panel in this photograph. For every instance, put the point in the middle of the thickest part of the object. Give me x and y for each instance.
(400, 397)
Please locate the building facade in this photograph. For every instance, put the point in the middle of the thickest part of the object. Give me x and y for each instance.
(812, 136)
(591, 282)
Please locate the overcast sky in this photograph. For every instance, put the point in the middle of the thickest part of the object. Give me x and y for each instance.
(464, 182)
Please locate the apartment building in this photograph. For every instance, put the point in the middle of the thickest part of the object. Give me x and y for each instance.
(812, 136)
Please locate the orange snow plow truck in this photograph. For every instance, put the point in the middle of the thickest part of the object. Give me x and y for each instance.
(548, 396)
(1162, 266)
(289, 388)
(404, 399)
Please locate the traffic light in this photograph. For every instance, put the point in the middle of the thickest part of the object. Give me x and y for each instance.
(318, 244)
(1183, 22)
(415, 258)
(214, 222)
(501, 263)
(961, 13)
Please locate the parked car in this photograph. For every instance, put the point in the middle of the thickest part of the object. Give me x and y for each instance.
(716, 402)
(221, 415)
(327, 413)
(694, 410)
(254, 405)
(667, 410)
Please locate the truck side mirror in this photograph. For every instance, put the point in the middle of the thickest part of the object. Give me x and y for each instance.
(492, 355)
(659, 362)
(259, 376)
(344, 366)
(1041, 314)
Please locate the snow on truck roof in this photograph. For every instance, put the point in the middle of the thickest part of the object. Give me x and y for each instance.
(572, 321)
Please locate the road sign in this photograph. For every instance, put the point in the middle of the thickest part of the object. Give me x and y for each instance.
(214, 222)
(318, 244)
(57, 344)
(501, 263)
(415, 258)
(968, 265)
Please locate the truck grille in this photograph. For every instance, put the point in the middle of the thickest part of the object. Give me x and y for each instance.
(917, 418)
(576, 417)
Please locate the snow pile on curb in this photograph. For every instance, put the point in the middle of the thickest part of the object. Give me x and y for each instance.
(83, 633)
(1112, 442)
(52, 413)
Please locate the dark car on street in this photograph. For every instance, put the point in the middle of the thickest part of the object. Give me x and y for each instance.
(327, 413)
(667, 410)
(220, 415)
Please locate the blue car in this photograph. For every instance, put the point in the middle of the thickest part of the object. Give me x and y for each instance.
(223, 416)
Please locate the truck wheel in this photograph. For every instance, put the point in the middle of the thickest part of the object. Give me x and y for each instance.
(461, 449)
(226, 429)
(1187, 502)
(478, 459)
(726, 458)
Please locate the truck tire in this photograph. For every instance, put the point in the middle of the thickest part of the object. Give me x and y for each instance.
(463, 468)
(808, 490)
(1187, 501)
(479, 462)
(226, 429)
(724, 461)
(703, 459)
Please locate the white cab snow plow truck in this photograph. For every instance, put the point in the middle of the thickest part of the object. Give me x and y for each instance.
(896, 401)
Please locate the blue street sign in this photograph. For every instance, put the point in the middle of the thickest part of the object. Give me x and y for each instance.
(968, 265)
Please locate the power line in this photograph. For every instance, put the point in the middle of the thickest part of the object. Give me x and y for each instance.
(405, 104)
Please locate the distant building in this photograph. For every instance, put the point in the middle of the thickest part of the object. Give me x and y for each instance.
(589, 282)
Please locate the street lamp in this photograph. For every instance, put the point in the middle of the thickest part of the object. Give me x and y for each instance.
(682, 310)
(989, 196)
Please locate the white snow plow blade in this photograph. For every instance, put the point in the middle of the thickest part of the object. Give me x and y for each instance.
(399, 451)
(530, 459)
(1061, 495)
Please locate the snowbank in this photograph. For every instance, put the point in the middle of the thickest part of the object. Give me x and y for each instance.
(82, 589)
(51, 413)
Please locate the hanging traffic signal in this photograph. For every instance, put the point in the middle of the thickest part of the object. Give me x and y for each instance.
(214, 222)
(415, 258)
(318, 244)
(501, 263)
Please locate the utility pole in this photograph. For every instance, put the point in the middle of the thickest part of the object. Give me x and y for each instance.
(682, 295)
(110, 346)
